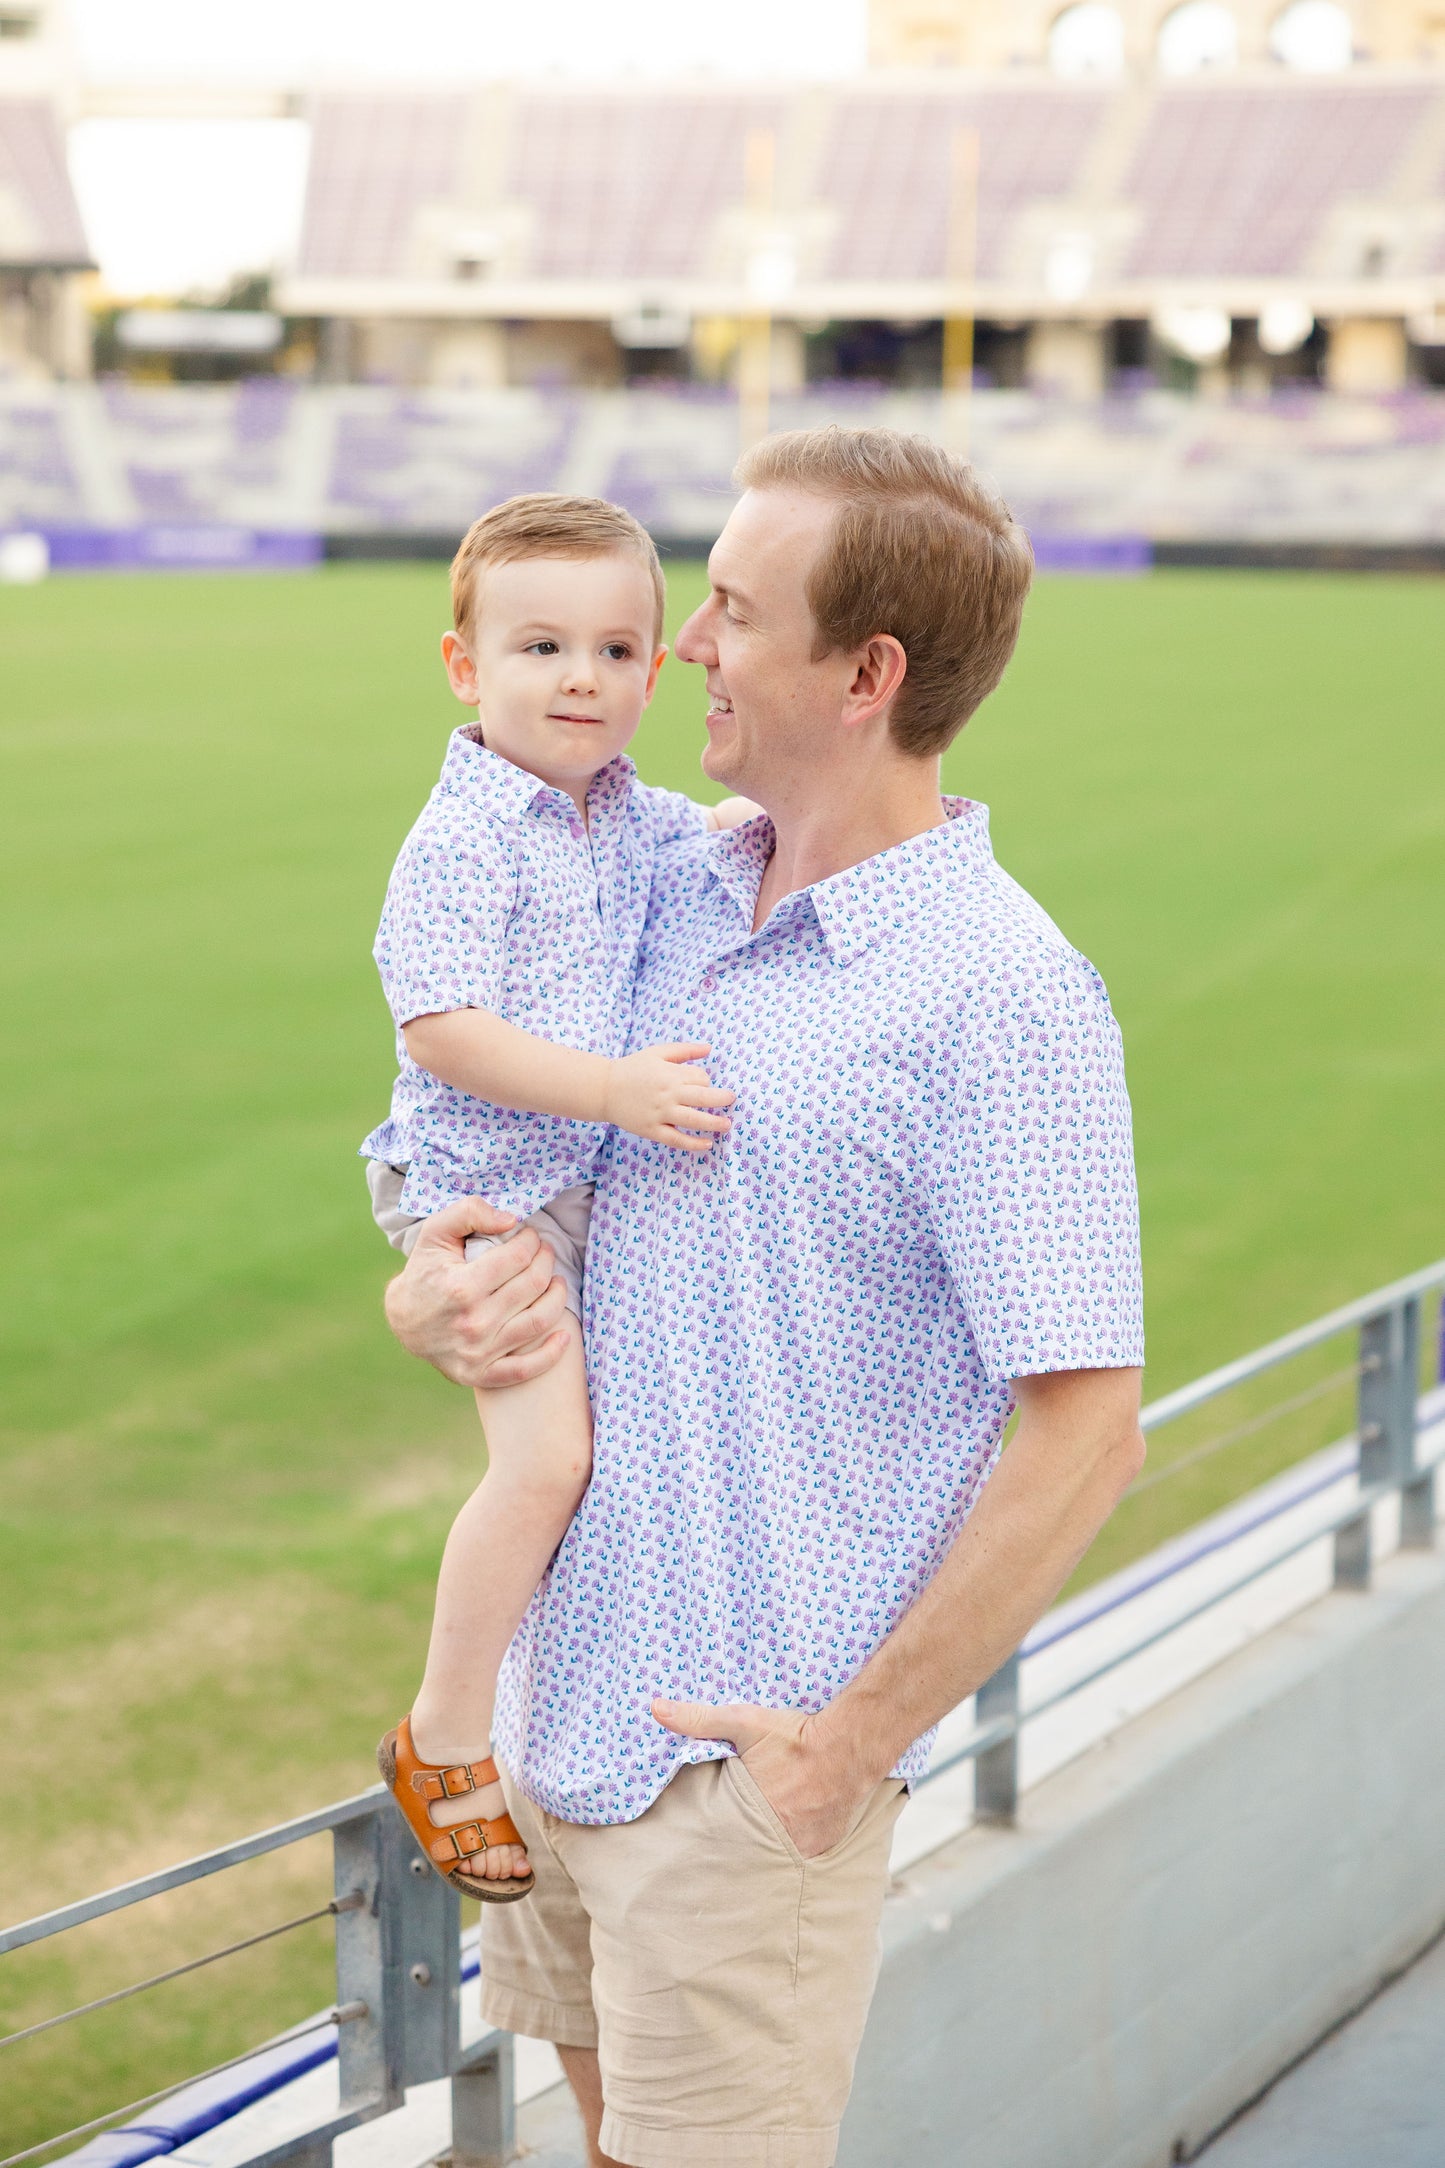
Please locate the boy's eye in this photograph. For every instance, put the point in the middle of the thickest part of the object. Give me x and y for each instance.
(542, 647)
(617, 650)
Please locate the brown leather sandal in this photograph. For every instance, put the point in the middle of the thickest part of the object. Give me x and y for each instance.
(415, 1784)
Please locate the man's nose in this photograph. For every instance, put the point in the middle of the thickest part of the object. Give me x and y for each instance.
(695, 642)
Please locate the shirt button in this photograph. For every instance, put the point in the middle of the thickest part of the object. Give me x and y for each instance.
(709, 984)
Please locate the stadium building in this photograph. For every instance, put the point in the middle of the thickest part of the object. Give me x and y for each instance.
(1174, 276)
(1205, 195)
(44, 256)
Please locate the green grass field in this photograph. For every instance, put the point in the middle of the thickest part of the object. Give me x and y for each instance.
(224, 1490)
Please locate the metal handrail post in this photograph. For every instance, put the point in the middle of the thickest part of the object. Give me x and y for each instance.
(996, 1770)
(1417, 1485)
(370, 2052)
(1376, 1402)
(484, 2107)
(428, 1923)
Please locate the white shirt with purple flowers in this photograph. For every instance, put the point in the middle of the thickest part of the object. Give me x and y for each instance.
(501, 899)
(800, 1344)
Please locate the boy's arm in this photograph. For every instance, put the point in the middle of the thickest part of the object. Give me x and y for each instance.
(657, 1093)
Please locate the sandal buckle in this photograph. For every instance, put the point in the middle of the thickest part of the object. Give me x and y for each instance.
(456, 1782)
(469, 1839)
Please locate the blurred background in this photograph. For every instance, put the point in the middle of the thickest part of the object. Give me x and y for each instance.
(289, 293)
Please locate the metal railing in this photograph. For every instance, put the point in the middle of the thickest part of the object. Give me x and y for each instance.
(396, 2019)
(1387, 1386)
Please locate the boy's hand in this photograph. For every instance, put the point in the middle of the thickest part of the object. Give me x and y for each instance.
(660, 1094)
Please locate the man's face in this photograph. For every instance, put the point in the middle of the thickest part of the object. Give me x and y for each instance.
(560, 661)
(773, 708)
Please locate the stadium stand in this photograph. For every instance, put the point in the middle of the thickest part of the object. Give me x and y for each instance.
(376, 164)
(42, 246)
(379, 468)
(1243, 180)
(40, 227)
(543, 205)
(885, 173)
(630, 186)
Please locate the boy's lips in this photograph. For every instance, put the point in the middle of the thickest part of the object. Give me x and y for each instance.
(563, 715)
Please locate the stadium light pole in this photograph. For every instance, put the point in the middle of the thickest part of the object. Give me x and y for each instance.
(962, 254)
(755, 339)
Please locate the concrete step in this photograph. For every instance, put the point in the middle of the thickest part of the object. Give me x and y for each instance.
(1372, 2093)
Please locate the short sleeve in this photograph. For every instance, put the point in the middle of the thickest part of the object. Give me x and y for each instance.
(452, 889)
(1035, 1203)
(670, 817)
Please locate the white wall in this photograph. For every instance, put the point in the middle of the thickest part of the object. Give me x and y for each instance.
(1179, 1914)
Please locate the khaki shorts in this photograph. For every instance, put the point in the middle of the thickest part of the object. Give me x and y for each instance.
(562, 1224)
(722, 1978)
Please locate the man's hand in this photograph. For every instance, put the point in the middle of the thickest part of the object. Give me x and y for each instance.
(492, 1322)
(818, 1799)
(660, 1094)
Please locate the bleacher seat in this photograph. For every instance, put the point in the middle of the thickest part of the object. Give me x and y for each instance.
(630, 187)
(1300, 465)
(1240, 179)
(886, 173)
(376, 162)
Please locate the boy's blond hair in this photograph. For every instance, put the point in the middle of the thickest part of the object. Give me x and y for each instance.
(919, 549)
(549, 525)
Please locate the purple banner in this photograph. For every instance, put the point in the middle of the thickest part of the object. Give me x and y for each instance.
(1122, 553)
(180, 549)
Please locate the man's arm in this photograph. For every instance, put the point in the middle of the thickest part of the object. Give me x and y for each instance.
(1076, 1450)
(493, 1322)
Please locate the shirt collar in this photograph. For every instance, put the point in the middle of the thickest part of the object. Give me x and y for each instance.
(498, 786)
(856, 908)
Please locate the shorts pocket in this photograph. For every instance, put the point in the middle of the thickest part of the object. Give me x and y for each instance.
(888, 1798)
(755, 1804)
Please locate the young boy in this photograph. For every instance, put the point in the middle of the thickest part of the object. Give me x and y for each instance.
(506, 950)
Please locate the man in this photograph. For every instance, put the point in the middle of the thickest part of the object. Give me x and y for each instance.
(804, 1346)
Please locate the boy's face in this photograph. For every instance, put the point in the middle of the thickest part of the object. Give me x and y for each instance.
(560, 662)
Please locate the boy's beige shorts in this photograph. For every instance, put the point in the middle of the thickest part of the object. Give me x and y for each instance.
(722, 1978)
(562, 1224)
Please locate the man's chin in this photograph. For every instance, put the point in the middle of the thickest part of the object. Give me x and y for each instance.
(717, 766)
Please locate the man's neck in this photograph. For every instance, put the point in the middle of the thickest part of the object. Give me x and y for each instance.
(824, 833)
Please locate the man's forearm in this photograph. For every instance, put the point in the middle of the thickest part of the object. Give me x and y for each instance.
(1075, 1452)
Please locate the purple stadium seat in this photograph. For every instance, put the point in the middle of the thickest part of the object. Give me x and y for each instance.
(375, 162)
(1239, 179)
(630, 186)
(886, 171)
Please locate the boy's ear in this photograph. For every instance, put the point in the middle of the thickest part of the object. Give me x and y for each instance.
(657, 662)
(461, 670)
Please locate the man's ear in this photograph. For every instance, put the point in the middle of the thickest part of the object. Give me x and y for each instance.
(461, 671)
(878, 672)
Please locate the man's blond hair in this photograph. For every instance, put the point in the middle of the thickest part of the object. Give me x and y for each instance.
(919, 549)
(548, 524)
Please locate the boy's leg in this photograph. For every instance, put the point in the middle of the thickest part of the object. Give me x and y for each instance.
(539, 1457)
